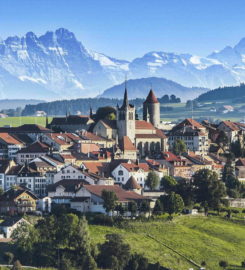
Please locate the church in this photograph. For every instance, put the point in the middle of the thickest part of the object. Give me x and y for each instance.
(135, 138)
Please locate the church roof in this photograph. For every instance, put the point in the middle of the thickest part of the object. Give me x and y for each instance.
(151, 98)
(141, 124)
(132, 184)
(126, 144)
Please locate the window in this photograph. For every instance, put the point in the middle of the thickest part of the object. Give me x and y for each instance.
(120, 172)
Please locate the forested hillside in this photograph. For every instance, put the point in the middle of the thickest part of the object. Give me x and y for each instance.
(82, 105)
(231, 92)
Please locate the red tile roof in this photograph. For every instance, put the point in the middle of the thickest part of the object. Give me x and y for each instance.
(151, 98)
(126, 144)
(189, 122)
(169, 156)
(132, 167)
(231, 125)
(141, 124)
(8, 139)
(132, 184)
(122, 195)
(95, 167)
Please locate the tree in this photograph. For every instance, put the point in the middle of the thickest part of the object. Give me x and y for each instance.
(82, 246)
(243, 264)
(109, 200)
(152, 180)
(186, 190)
(8, 257)
(132, 208)
(172, 203)
(158, 209)
(179, 147)
(137, 262)
(168, 183)
(233, 185)
(223, 264)
(236, 148)
(105, 113)
(222, 139)
(208, 188)
(113, 248)
(144, 207)
(17, 265)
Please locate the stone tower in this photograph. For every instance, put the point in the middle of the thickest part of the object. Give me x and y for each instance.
(126, 119)
(151, 109)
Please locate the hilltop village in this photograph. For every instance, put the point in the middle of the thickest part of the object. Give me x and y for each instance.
(75, 158)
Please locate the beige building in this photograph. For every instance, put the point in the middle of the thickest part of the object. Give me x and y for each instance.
(193, 134)
(143, 134)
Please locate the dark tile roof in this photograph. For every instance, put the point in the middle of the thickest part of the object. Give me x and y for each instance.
(10, 221)
(13, 193)
(70, 185)
(36, 147)
(70, 120)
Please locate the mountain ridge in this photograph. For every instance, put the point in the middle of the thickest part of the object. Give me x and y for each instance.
(57, 65)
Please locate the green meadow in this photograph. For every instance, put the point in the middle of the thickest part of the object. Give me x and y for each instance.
(198, 238)
(18, 121)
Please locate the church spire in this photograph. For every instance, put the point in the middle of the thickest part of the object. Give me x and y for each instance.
(91, 112)
(125, 99)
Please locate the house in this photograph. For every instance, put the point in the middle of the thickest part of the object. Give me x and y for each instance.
(71, 123)
(240, 169)
(10, 224)
(123, 171)
(192, 133)
(94, 201)
(36, 149)
(9, 146)
(5, 166)
(17, 200)
(233, 130)
(89, 137)
(33, 131)
(178, 166)
(64, 190)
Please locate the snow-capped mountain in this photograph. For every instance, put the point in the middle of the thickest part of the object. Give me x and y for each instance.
(57, 65)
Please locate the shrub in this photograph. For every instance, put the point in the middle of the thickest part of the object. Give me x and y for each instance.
(223, 264)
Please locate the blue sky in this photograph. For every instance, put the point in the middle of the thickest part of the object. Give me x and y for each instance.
(129, 28)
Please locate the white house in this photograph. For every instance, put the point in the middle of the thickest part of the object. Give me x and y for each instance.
(10, 224)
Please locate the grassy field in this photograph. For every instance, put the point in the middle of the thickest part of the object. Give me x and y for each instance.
(17, 121)
(180, 112)
(199, 238)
